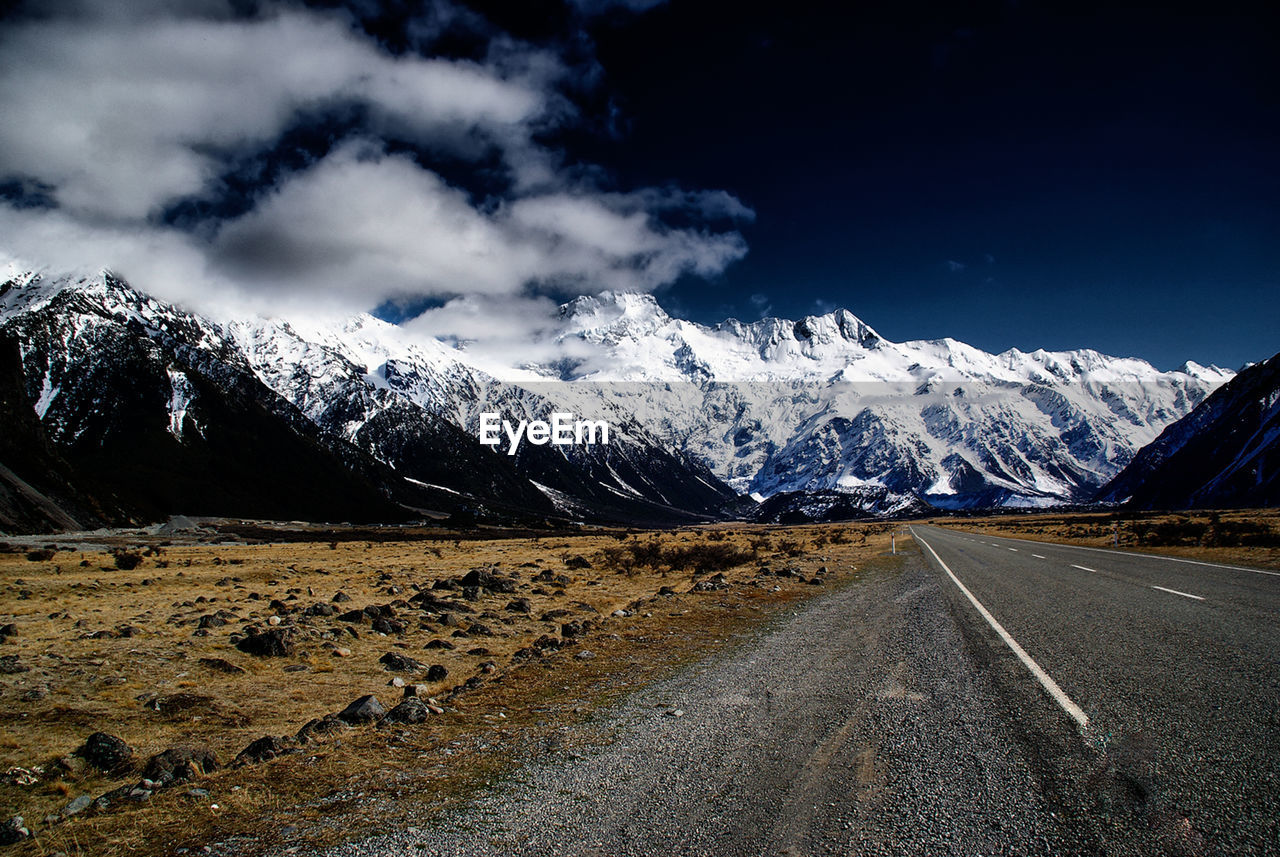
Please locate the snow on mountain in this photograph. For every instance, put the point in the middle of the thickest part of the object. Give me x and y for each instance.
(826, 403)
(1225, 453)
(773, 407)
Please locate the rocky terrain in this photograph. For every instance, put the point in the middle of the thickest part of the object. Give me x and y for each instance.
(148, 687)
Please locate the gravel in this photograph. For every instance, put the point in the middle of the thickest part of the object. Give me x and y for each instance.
(858, 724)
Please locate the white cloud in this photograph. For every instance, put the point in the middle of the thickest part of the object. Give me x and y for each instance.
(117, 112)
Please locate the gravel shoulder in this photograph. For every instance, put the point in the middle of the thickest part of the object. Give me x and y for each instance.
(858, 723)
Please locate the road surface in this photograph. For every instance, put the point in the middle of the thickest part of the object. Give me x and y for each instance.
(1127, 706)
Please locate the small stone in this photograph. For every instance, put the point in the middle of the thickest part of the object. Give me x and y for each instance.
(585, 655)
(265, 748)
(274, 621)
(78, 805)
(198, 793)
(437, 672)
(396, 681)
(397, 663)
(222, 665)
(340, 653)
(675, 712)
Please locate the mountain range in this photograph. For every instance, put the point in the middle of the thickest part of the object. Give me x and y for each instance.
(125, 408)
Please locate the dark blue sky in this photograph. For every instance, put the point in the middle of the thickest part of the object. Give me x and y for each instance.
(1016, 173)
(1009, 174)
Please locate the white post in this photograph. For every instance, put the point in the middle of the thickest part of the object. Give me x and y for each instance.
(893, 541)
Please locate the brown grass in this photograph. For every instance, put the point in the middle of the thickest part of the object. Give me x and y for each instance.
(87, 681)
(1238, 537)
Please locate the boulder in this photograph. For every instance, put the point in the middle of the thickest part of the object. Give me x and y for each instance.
(410, 710)
(366, 709)
(106, 752)
(271, 643)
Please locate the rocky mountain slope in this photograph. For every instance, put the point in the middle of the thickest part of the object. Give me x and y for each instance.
(133, 410)
(1225, 453)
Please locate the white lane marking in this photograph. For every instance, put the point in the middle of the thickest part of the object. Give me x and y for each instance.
(1037, 556)
(1046, 681)
(1176, 592)
(1141, 555)
(1015, 550)
(1085, 568)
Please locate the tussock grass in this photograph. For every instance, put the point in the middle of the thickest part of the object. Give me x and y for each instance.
(88, 681)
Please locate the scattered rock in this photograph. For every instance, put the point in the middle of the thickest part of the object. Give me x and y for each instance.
(585, 655)
(222, 665)
(439, 644)
(10, 665)
(711, 584)
(569, 630)
(179, 764)
(520, 605)
(296, 668)
(366, 709)
(320, 727)
(264, 748)
(396, 682)
(437, 672)
(397, 663)
(340, 652)
(341, 597)
(7, 631)
(14, 830)
(546, 641)
(77, 806)
(675, 712)
(272, 643)
(106, 752)
(410, 710)
(577, 562)
(211, 620)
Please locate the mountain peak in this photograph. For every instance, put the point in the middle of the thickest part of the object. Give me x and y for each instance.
(613, 315)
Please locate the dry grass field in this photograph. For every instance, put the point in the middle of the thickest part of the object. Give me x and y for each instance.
(531, 633)
(1241, 537)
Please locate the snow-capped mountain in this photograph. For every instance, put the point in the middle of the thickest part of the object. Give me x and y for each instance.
(1225, 453)
(818, 409)
(350, 421)
(826, 403)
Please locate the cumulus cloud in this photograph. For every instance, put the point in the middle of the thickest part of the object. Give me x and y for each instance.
(116, 114)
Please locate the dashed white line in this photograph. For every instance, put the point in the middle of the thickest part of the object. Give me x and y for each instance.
(1015, 550)
(1141, 555)
(1037, 556)
(1085, 568)
(1046, 681)
(1176, 592)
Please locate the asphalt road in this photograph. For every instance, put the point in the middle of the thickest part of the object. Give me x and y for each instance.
(889, 717)
(1176, 666)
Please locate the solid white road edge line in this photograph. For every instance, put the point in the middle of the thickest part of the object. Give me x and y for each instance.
(1046, 681)
(1176, 592)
